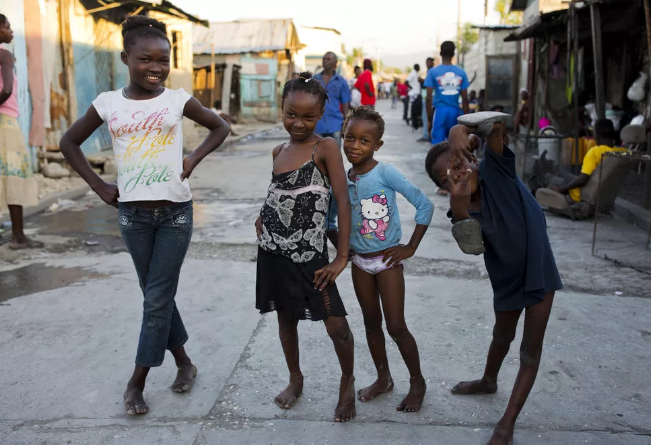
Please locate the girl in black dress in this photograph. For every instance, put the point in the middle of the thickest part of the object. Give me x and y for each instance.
(295, 277)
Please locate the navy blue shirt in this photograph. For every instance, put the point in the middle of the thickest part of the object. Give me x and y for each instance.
(338, 94)
(518, 258)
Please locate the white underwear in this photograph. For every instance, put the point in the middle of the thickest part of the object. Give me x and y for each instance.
(373, 265)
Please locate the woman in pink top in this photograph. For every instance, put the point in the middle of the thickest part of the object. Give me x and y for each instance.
(18, 186)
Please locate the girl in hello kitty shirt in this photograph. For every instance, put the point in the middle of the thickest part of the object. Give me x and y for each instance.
(377, 253)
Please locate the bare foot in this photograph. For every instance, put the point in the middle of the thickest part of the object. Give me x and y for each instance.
(288, 397)
(25, 243)
(345, 410)
(184, 378)
(415, 396)
(502, 435)
(379, 387)
(134, 402)
(478, 387)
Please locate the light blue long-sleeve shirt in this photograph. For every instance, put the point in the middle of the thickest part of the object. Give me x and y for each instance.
(375, 216)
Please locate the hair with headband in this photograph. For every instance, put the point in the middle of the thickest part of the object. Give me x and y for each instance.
(137, 27)
(306, 83)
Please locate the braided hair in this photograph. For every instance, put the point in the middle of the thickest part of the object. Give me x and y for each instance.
(367, 114)
(306, 83)
(136, 27)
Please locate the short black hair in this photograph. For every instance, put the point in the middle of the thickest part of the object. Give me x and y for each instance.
(499, 108)
(3, 19)
(604, 128)
(417, 67)
(369, 115)
(430, 59)
(218, 104)
(448, 49)
(357, 68)
(306, 83)
(137, 27)
(434, 153)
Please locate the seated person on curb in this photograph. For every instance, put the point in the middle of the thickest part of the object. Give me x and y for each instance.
(569, 184)
(217, 108)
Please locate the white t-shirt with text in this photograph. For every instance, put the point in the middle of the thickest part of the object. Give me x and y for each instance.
(147, 140)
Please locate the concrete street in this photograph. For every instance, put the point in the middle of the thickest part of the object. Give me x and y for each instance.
(70, 317)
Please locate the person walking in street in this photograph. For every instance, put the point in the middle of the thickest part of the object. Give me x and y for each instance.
(448, 82)
(18, 187)
(295, 277)
(378, 275)
(403, 92)
(365, 84)
(338, 99)
(494, 213)
(413, 85)
(394, 94)
(355, 94)
(429, 64)
(152, 191)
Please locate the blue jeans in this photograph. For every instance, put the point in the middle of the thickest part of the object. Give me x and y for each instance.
(158, 240)
(425, 121)
(334, 135)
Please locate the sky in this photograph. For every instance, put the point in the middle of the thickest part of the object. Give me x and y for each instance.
(379, 29)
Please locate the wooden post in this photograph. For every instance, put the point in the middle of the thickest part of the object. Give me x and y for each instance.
(212, 75)
(575, 88)
(68, 59)
(600, 100)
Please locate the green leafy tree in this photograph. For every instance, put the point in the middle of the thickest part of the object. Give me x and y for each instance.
(506, 17)
(469, 36)
(355, 57)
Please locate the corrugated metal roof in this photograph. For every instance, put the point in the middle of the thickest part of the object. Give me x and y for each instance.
(246, 36)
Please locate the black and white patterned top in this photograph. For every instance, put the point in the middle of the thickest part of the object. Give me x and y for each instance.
(294, 216)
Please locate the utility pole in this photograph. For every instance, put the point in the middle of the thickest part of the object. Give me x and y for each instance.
(458, 27)
(211, 83)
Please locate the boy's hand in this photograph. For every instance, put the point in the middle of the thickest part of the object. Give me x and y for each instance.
(326, 276)
(396, 254)
(460, 194)
(109, 193)
(189, 163)
(460, 149)
(258, 227)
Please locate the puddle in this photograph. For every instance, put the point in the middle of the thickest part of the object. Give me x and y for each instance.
(38, 278)
(100, 220)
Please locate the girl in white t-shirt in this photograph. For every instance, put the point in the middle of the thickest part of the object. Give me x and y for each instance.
(152, 190)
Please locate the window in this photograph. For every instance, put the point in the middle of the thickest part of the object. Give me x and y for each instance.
(176, 49)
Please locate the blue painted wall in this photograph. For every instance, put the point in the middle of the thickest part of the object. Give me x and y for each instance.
(258, 91)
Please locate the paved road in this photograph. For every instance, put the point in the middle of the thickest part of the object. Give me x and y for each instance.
(70, 316)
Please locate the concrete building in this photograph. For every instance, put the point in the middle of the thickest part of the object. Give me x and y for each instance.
(245, 64)
(68, 52)
(498, 67)
(319, 41)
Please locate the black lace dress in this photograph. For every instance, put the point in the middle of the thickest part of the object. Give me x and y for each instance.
(293, 246)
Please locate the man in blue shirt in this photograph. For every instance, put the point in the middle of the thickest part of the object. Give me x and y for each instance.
(338, 99)
(450, 82)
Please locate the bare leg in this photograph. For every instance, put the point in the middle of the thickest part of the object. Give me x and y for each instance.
(288, 332)
(342, 338)
(503, 334)
(186, 373)
(18, 238)
(535, 325)
(369, 300)
(134, 401)
(391, 284)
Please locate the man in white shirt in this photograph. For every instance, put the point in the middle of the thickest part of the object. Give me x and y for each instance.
(413, 84)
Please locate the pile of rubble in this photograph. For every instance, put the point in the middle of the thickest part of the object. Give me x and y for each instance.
(53, 165)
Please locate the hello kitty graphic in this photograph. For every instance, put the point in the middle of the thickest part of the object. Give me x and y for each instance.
(375, 214)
